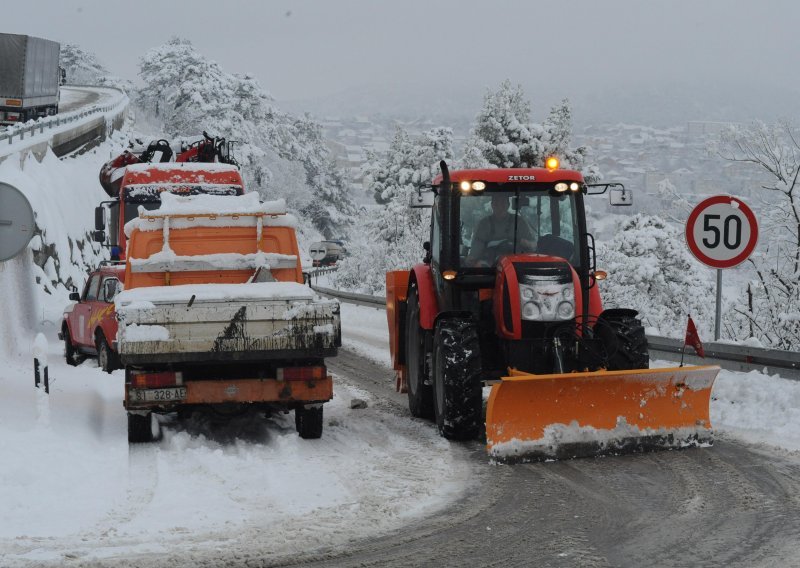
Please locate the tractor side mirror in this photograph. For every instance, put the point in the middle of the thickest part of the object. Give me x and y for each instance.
(99, 236)
(620, 196)
(422, 199)
(100, 218)
(74, 297)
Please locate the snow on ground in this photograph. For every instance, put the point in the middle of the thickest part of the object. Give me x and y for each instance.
(72, 489)
(752, 406)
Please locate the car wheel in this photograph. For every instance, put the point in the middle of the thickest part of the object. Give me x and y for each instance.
(106, 358)
(71, 354)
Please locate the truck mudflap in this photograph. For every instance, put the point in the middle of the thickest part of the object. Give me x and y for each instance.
(542, 417)
(230, 391)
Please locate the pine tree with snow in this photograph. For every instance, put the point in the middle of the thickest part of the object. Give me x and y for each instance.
(190, 93)
(504, 136)
(394, 232)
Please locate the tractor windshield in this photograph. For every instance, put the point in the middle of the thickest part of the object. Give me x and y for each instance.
(497, 223)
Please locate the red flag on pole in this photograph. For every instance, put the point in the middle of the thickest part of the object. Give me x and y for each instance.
(693, 339)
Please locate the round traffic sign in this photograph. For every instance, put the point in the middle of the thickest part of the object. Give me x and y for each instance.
(721, 231)
(16, 221)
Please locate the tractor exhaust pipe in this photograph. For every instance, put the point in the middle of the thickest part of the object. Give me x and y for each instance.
(449, 222)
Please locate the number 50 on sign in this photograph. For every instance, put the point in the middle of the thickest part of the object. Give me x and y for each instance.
(722, 231)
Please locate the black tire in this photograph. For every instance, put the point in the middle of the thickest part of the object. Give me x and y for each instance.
(308, 422)
(106, 358)
(623, 337)
(140, 428)
(457, 379)
(420, 395)
(71, 355)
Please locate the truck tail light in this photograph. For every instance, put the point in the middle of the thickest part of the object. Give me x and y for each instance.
(157, 380)
(301, 373)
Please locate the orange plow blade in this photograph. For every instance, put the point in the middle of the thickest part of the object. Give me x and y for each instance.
(539, 417)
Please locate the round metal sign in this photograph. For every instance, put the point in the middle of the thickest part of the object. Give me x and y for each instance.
(721, 231)
(16, 221)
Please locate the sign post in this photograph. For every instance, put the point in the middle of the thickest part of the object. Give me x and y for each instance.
(721, 232)
(16, 221)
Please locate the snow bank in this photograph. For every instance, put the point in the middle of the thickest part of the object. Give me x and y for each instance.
(74, 492)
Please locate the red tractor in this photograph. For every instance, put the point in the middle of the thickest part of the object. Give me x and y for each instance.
(508, 296)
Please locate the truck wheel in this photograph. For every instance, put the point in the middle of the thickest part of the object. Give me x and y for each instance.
(624, 340)
(106, 358)
(308, 422)
(71, 354)
(457, 379)
(140, 428)
(420, 395)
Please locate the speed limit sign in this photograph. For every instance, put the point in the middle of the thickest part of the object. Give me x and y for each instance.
(722, 231)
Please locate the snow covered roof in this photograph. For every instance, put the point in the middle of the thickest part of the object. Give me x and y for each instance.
(212, 211)
(187, 166)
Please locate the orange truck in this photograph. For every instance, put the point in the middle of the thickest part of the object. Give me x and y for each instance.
(215, 314)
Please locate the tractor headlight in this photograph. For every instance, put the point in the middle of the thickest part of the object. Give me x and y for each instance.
(547, 301)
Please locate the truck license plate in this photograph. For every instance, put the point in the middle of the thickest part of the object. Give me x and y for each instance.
(158, 395)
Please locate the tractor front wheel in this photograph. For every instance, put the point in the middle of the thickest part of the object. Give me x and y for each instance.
(624, 340)
(457, 379)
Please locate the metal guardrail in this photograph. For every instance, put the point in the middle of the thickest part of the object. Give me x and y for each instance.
(728, 356)
(55, 121)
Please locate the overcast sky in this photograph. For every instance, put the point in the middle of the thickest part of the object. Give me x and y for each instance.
(308, 49)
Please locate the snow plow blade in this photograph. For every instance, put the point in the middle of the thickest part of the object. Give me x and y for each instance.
(540, 417)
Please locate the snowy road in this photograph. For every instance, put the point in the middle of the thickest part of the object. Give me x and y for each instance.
(730, 505)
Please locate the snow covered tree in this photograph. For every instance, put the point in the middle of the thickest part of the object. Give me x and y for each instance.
(394, 231)
(83, 68)
(191, 93)
(504, 136)
(556, 138)
(651, 270)
(771, 313)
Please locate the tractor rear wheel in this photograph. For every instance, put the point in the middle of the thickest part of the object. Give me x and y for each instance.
(420, 395)
(624, 340)
(457, 379)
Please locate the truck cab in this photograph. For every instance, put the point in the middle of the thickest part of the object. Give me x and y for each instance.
(142, 185)
(89, 326)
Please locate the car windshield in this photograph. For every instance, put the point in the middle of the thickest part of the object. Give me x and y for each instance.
(497, 223)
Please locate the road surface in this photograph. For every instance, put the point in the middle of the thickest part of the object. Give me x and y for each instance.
(730, 505)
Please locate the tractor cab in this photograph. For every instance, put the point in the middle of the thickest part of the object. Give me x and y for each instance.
(516, 237)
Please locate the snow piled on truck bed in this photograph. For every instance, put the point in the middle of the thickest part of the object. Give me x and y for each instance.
(215, 292)
(212, 211)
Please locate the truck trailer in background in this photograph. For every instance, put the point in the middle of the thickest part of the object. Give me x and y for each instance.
(30, 78)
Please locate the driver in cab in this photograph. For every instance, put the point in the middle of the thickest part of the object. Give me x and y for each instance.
(494, 235)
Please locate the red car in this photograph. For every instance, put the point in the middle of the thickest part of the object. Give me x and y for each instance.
(90, 326)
